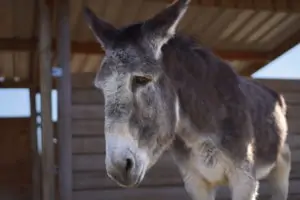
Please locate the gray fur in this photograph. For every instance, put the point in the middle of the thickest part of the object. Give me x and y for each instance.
(221, 128)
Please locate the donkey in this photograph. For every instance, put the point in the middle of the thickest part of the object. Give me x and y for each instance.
(163, 92)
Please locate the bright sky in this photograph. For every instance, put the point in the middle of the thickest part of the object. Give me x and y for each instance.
(15, 102)
(287, 66)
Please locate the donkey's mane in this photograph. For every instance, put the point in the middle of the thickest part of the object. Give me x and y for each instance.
(204, 82)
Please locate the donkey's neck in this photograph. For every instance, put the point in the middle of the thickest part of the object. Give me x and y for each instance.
(203, 83)
(189, 133)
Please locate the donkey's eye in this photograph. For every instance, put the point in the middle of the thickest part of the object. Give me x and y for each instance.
(141, 80)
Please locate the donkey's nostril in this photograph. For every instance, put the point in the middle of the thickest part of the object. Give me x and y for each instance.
(129, 165)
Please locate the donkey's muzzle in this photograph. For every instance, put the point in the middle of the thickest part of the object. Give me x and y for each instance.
(124, 171)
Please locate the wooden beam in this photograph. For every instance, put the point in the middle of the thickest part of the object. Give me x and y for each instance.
(95, 48)
(286, 45)
(48, 191)
(243, 55)
(292, 7)
(33, 61)
(12, 44)
(14, 84)
(248, 71)
(281, 49)
(64, 101)
(36, 161)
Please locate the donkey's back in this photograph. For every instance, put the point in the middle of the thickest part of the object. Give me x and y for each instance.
(268, 113)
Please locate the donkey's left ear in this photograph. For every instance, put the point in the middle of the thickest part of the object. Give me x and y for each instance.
(160, 28)
(102, 30)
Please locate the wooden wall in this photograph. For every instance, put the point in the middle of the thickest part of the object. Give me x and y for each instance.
(163, 181)
(15, 159)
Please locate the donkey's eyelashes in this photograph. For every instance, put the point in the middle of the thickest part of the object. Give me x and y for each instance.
(140, 81)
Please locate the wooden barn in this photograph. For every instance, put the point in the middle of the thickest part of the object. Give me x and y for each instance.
(45, 45)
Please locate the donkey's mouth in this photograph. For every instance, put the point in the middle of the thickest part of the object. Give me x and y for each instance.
(132, 180)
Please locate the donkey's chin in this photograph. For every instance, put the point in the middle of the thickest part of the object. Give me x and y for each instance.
(132, 181)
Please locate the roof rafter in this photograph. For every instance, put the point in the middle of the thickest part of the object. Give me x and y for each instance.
(281, 49)
(278, 5)
(12, 44)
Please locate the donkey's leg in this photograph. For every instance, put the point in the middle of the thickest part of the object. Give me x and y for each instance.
(243, 184)
(279, 176)
(197, 188)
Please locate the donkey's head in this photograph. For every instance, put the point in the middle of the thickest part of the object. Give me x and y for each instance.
(139, 100)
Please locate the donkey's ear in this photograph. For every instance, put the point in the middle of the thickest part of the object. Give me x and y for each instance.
(160, 28)
(102, 30)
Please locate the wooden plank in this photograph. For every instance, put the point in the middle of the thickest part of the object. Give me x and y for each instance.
(36, 159)
(291, 39)
(16, 159)
(86, 81)
(95, 111)
(64, 101)
(129, 14)
(256, 21)
(92, 63)
(236, 24)
(267, 27)
(168, 193)
(266, 4)
(280, 4)
(86, 162)
(48, 191)
(294, 141)
(83, 80)
(95, 96)
(9, 44)
(294, 125)
(293, 111)
(252, 68)
(246, 4)
(96, 144)
(13, 84)
(88, 145)
(96, 127)
(291, 98)
(112, 11)
(88, 96)
(174, 193)
(282, 85)
(158, 175)
(95, 162)
(87, 127)
(219, 25)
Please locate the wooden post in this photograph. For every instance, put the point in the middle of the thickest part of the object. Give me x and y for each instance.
(45, 88)
(36, 162)
(64, 101)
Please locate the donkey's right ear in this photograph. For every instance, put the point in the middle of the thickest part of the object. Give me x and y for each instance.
(102, 30)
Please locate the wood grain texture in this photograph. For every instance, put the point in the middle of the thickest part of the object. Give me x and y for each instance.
(88, 111)
(92, 123)
(160, 175)
(86, 162)
(89, 96)
(96, 143)
(87, 127)
(86, 81)
(174, 193)
(16, 159)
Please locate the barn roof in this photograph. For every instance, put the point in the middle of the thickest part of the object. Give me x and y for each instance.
(246, 33)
